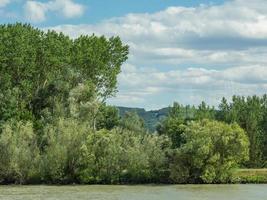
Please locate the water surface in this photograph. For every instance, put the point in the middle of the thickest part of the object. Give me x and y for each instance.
(142, 192)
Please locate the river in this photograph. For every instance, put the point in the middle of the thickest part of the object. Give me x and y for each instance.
(140, 192)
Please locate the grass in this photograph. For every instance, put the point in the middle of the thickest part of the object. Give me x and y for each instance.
(250, 176)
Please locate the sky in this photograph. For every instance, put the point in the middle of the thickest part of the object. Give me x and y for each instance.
(186, 51)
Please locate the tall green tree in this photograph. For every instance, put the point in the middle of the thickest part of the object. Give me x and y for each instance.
(107, 117)
(34, 63)
(204, 111)
(173, 125)
(249, 113)
(99, 59)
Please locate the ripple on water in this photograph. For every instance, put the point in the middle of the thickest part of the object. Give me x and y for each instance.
(139, 192)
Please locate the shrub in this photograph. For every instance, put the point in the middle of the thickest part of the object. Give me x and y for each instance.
(210, 153)
(19, 153)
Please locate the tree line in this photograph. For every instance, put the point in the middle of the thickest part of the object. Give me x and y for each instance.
(55, 126)
(250, 113)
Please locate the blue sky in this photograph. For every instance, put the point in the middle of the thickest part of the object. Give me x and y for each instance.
(186, 51)
(97, 10)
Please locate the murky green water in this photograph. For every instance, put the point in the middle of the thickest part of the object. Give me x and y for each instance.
(168, 192)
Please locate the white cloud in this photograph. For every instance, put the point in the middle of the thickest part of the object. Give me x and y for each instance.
(70, 9)
(230, 33)
(228, 41)
(36, 11)
(196, 78)
(190, 86)
(230, 20)
(249, 74)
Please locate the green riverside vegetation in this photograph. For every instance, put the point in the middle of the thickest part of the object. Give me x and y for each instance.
(55, 127)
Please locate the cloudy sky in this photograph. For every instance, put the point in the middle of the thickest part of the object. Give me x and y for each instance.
(180, 50)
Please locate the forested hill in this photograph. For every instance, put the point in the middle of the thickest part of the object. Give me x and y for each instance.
(151, 118)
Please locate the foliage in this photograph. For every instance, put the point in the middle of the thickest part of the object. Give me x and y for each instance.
(99, 60)
(19, 154)
(172, 126)
(116, 156)
(61, 158)
(40, 68)
(55, 126)
(205, 112)
(250, 114)
(131, 121)
(210, 152)
(107, 118)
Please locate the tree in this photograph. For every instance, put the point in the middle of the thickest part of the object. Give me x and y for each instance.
(264, 131)
(224, 111)
(61, 160)
(84, 104)
(103, 158)
(107, 117)
(173, 125)
(132, 122)
(19, 153)
(211, 151)
(34, 63)
(205, 112)
(118, 156)
(249, 113)
(99, 60)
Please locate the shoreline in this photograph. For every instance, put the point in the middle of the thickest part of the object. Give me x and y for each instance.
(126, 185)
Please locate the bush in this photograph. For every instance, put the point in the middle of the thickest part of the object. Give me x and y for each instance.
(62, 155)
(210, 153)
(19, 153)
(120, 156)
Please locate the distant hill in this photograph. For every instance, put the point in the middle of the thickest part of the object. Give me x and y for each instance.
(151, 118)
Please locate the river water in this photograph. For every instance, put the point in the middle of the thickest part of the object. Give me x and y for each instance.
(140, 192)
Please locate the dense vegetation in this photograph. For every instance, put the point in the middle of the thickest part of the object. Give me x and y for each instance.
(250, 113)
(56, 128)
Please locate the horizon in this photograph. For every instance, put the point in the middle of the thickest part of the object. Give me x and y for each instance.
(180, 51)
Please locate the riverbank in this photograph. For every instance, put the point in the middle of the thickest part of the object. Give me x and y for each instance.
(240, 176)
(250, 176)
